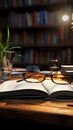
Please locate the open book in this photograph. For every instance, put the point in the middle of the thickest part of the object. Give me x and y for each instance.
(46, 90)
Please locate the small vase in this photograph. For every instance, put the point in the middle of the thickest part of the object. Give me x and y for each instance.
(1, 74)
(6, 64)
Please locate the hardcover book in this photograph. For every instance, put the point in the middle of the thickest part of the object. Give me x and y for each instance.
(44, 90)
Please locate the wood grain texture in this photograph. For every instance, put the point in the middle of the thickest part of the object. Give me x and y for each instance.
(50, 112)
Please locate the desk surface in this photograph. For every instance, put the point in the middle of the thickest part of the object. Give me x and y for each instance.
(50, 112)
(41, 111)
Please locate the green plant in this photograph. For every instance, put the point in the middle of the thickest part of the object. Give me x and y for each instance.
(6, 47)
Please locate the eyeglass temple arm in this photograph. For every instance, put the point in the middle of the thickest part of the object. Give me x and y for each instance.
(24, 78)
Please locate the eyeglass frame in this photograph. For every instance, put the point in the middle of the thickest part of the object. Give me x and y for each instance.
(44, 77)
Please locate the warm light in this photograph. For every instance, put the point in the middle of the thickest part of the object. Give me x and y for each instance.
(65, 17)
(71, 25)
(59, 76)
(72, 16)
(72, 22)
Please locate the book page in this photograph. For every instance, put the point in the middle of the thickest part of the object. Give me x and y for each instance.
(54, 89)
(13, 85)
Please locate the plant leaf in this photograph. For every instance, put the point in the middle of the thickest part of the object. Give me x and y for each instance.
(8, 36)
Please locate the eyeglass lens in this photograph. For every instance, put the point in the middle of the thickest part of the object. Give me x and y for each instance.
(62, 79)
(33, 77)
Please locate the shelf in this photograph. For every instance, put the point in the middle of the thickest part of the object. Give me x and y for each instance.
(38, 29)
(48, 46)
(23, 8)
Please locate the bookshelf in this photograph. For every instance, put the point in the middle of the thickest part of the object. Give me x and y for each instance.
(37, 27)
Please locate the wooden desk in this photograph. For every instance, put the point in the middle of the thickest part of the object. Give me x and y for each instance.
(36, 114)
(54, 113)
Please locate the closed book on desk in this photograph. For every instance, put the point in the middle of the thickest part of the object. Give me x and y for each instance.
(45, 90)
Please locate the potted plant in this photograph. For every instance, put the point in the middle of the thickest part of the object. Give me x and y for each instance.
(6, 54)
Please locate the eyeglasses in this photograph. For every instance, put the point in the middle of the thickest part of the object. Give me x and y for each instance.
(34, 77)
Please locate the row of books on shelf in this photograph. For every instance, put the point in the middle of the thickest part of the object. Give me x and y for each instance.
(40, 38)
(30, 56)
(35, 18)
(18, 3)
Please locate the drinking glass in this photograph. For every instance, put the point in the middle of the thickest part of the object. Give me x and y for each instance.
(54, 66)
